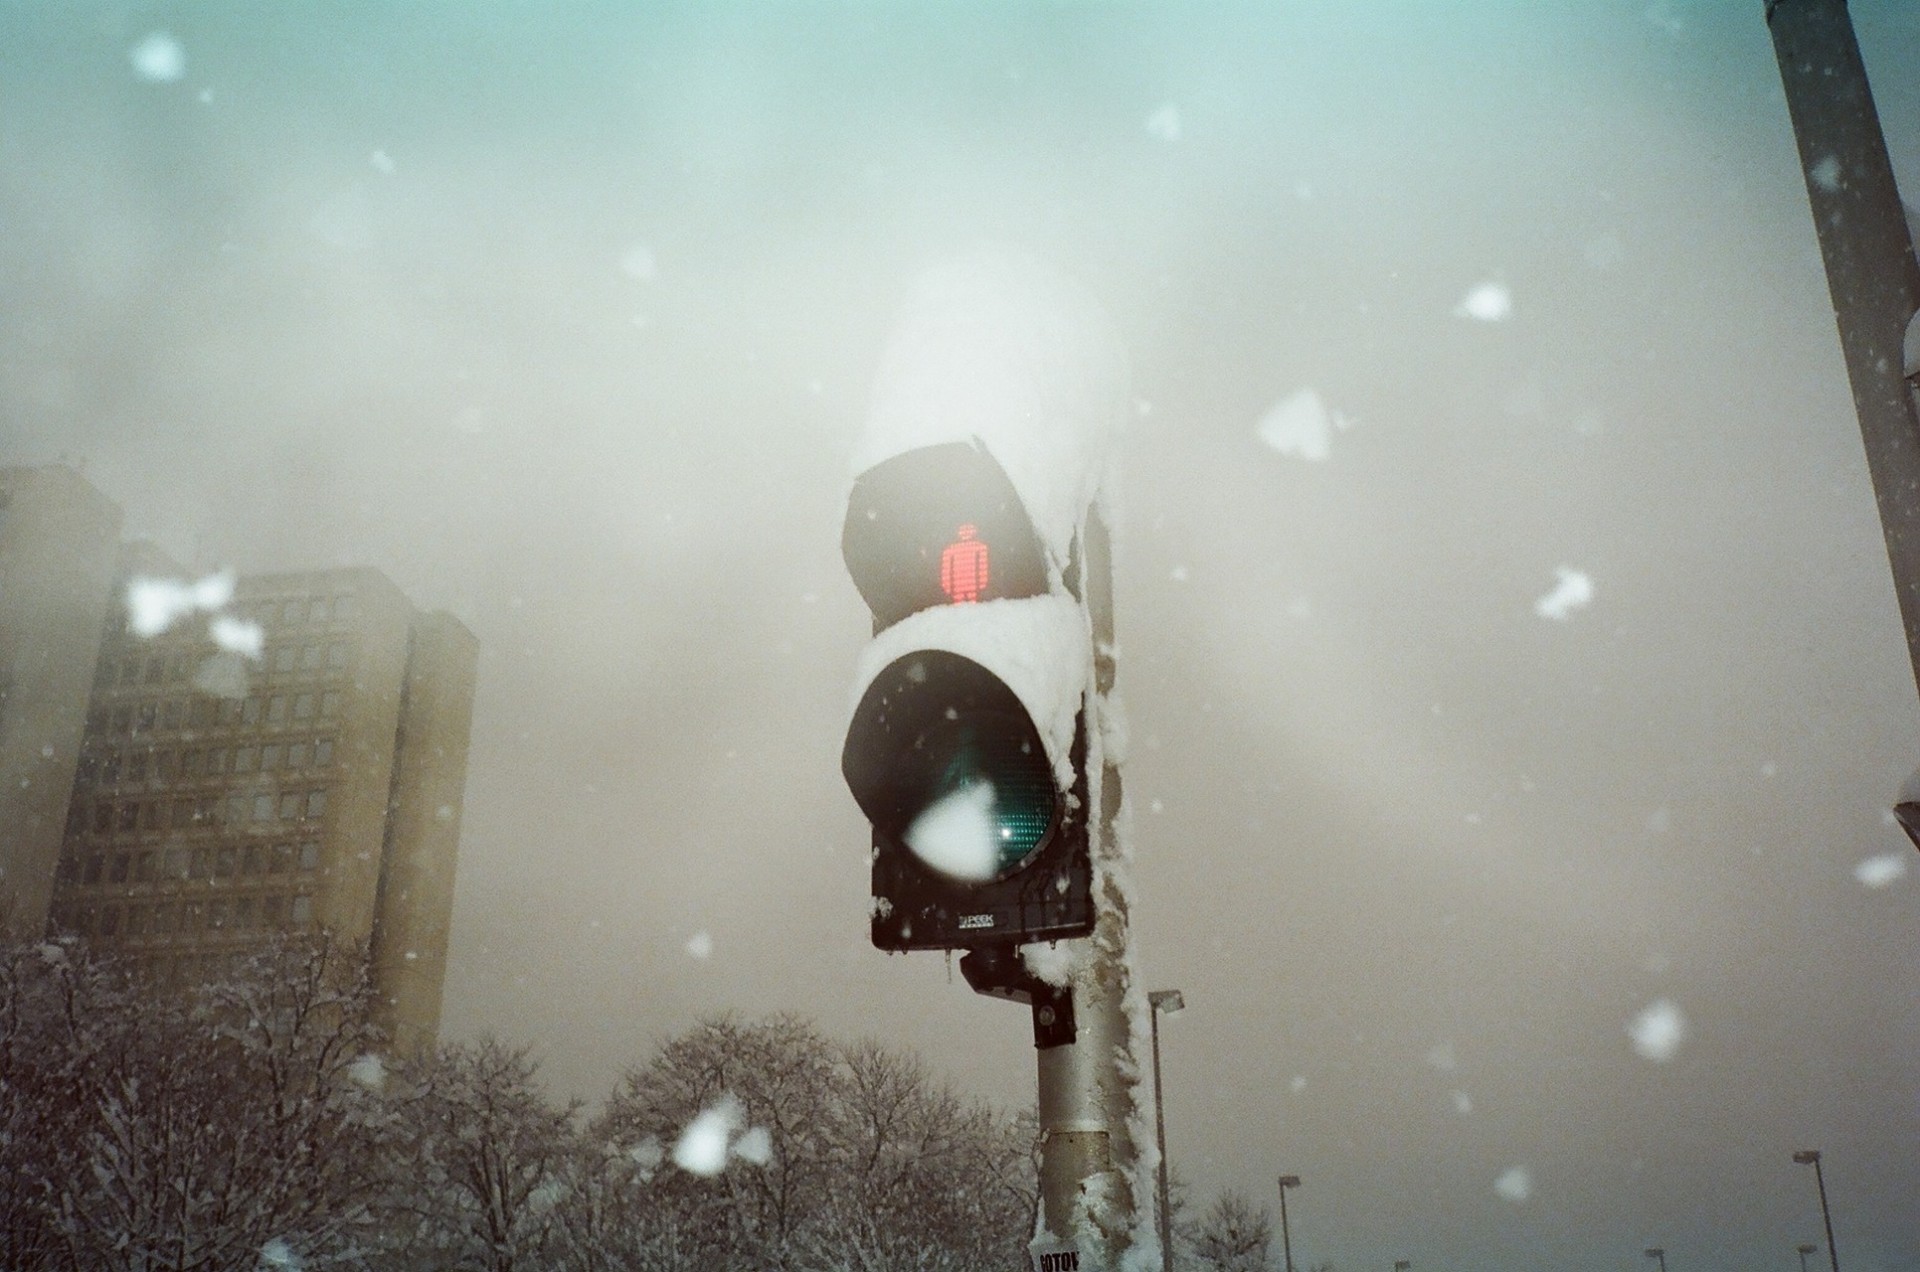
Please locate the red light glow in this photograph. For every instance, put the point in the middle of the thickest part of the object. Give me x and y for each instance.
(963, 567)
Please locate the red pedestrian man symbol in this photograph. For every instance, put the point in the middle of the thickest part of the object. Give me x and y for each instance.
(963, 567)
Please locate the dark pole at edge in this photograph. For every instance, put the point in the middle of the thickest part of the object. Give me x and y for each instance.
(1868, 249)
(1826, 1216)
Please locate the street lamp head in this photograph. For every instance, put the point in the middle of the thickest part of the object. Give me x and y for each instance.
(1289, 1181)
(1656, 1252)
(1806, 1247)
(1807, 1157)
(1165, 1001)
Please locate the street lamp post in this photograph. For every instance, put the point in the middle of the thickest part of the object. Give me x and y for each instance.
(1168, 1001)
(1811, 1157)
(1805, 1248)
(1658, 1252)
(1286, 1238)
(1401, 1265)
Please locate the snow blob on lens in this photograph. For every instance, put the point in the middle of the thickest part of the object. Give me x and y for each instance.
(155, 604)
(238, 636)
(1302, 425)
(1878, 872)
(1165, 123)
(1462, 1103)
(702, 1149)
(718, 1134)
(1658, 1031)
(158, 59)
(1826, 174)
(1572, 591)
(1514, 1184)
(370, 1071)
(956, 835)
(278, 1254)
(756, 1146)
(700, 945)
(1489, 302)
(1298, 1084)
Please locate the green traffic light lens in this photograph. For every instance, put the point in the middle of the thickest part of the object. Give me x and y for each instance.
(944, 760)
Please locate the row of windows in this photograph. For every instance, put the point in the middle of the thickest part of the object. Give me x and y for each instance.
(138, 718)
(108, 766)
(225, 861)
(164, 918)
(289, 611)
(198, 812)
(173, 666)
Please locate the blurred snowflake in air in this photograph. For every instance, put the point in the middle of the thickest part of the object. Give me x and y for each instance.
(1514, 1184)
(1488, 302)
(1883, 870)
(1658, 1031)
(1572, 591)
(158, 59)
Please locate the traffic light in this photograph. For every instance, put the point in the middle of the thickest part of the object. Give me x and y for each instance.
(967, 750)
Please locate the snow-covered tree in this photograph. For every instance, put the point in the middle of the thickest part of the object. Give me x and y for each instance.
(1233, 1236)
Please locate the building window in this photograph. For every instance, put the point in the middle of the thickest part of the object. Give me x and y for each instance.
(310, 856)
(96, 865)
(303, 706)
(277, 709)
(250, 860)
(273, 910)
(122, 721)
(243, 912)
(270, 756)
(223, 863)
(119, 867)
(280, 859)
(136, 920)
(172, 714)
(337, 656)
(216, 761)
(291, 611)
(147, 718)
(203, 809)
(317, 803)
(202, 863)
(143, 867)
(250, 711)
(238, 806)
(137, 766)
(245, 758)
(176, 863)
(323, 752)
(343, 607)
(217, 914)
(297, 755)
(302, 912)
(290, 806)
(69, 869)
(110, 768)
(230, 711)
(102, 818)
(263, 807)
(109, 920)
(310, 656)
(200, 714)
(283, 658)
(163, 917)
(156, 814)
(164, 764)
(156, 669)
(130, 671)
(129, 818)
(330, 703)
(177, 668)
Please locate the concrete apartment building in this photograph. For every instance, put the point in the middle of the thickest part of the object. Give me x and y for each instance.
(303, 773)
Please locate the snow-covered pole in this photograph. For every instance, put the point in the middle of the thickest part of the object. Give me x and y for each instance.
(1872, 276)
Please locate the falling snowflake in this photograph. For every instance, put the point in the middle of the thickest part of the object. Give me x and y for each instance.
(278, 1254)
(1514, 1184)
(1302, 425)
(1298, 1084)
(1462, 1103)
(1441, 1057)
(158, 59)
(1826, 174)
(1572, 591)
(756, 1146)
(1164, 123)
(638, 263)
(1658, 1031)
(382, 162)
(1489, 302)
(370, 1071)
(1879, 872)
(702, 1149)
(700, 945)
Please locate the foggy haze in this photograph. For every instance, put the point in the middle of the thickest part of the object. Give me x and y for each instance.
(1515, 682)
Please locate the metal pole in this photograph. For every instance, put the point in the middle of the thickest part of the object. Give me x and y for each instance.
(1286, 1238)
(1804, 1250)
(1826, 1216)
(1086, 1097)
(1160, 1135)
(1872, 274)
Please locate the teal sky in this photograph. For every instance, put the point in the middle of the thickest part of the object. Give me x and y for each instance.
(565, 316)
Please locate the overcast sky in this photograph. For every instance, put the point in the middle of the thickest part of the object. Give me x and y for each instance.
(565, 317)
